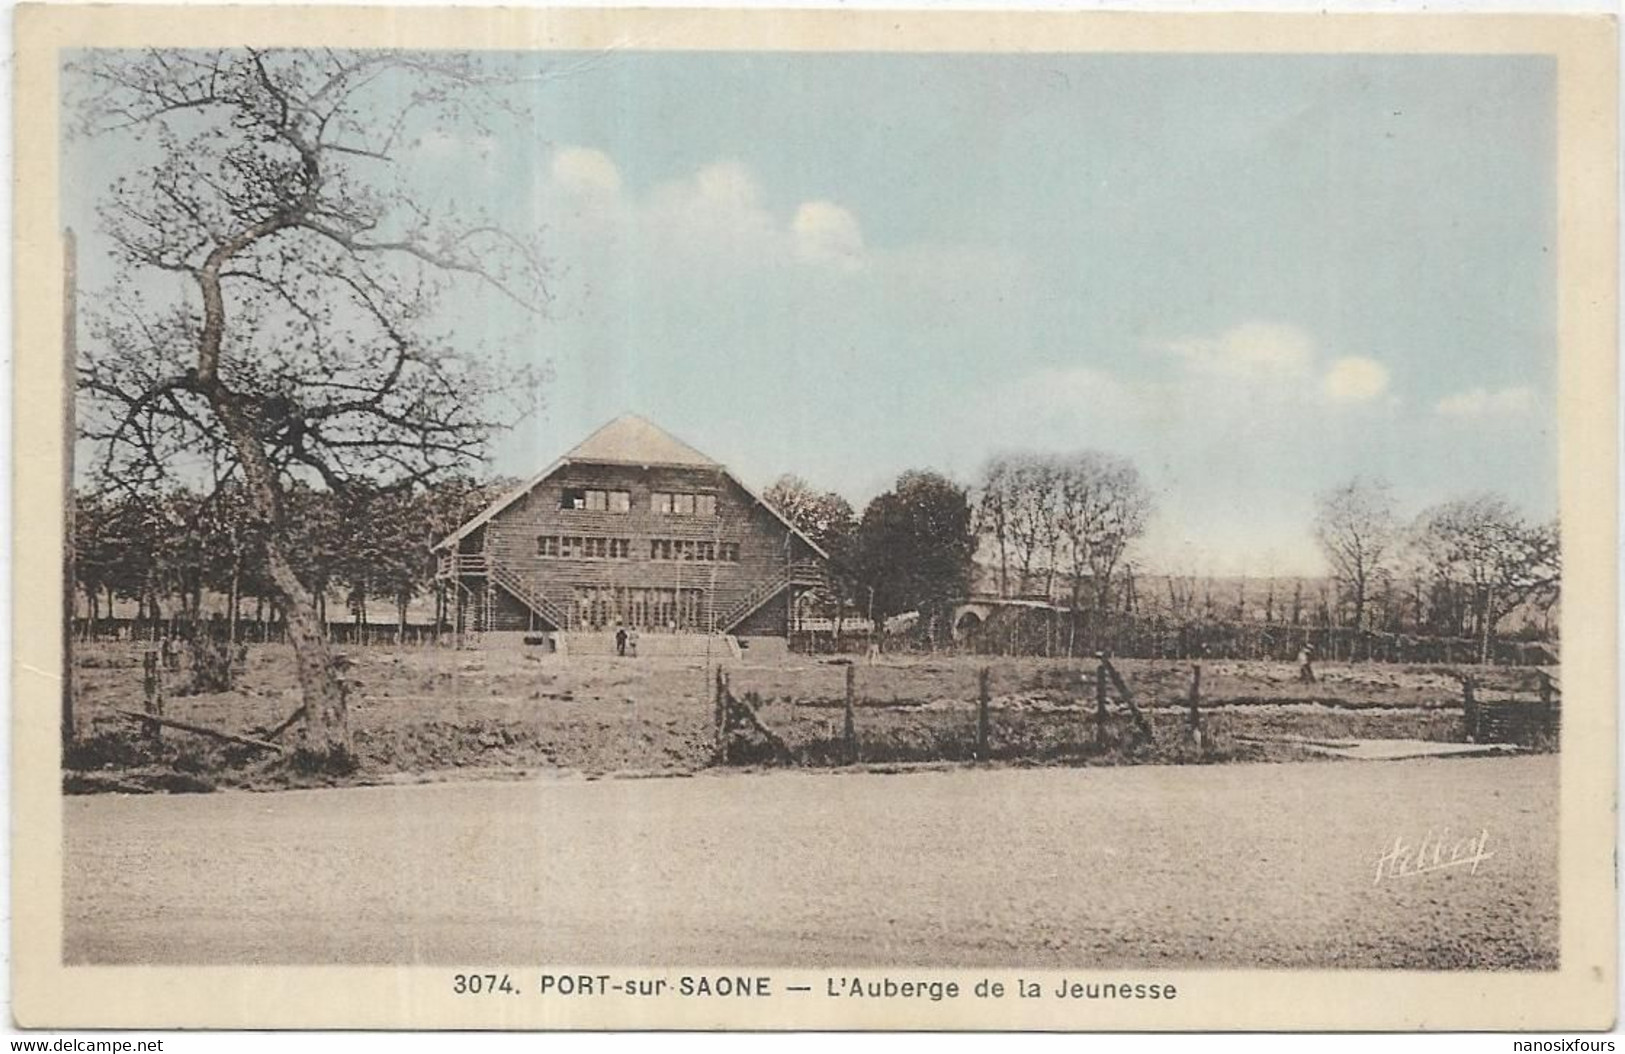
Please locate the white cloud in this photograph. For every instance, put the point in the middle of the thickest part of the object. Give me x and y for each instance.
(1480, 402)
(826, 233)
(585, 171)
(1249, 350)
(1355, 379)
(713, 217)
(1074, 391)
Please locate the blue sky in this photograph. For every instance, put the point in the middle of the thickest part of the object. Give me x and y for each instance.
(1254, 275)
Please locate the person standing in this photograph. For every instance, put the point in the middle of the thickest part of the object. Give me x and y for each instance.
(1306, 669)
(620, 641)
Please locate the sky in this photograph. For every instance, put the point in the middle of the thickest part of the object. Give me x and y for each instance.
(1254, 276)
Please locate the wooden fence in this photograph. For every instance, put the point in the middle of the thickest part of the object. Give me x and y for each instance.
(1513, 719)
(1057, 633)
(1114, 720)
(251, 631)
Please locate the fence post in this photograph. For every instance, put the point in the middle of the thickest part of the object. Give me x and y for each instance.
(1469, 707)
(1100, 699)
(850, 734)
(153, 683)
(1546, 721)
(721, 716)
(983, 697)
(1196, 701)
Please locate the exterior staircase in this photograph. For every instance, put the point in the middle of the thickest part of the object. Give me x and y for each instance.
(805, 573)
(456, 566)
(527, 593)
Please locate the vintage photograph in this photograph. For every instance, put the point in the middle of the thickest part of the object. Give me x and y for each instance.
(845, 511)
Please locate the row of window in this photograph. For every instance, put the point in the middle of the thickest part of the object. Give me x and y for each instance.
(673, 504)
(684, 549)
(604, 606)
(669, 503)
(568, 547)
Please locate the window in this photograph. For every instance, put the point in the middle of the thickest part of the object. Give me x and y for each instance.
(591, 500)
(570, 547)
(669, 504)
(696, 551)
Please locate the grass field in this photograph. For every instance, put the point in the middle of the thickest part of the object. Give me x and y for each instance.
(428, 713)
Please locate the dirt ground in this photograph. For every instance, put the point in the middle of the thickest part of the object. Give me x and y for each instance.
(425, 713)
(1245, 865)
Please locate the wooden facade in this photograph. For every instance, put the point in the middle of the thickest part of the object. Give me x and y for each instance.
(631, 528)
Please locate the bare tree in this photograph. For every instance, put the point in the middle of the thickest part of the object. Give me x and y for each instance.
(993, 509)
(1033, 516)
(1355, 527)
(1103, 508)
(298, 342)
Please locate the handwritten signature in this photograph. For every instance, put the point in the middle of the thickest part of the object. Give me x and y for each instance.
(1433, 853)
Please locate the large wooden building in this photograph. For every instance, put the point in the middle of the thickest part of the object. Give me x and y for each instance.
(633, 528)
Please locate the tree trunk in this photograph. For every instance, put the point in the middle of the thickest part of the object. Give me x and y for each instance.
(1004, 563)
(235, 600)
(1359, 614)
(327, 729)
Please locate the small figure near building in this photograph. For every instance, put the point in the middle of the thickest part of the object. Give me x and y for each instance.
(620, 642)
(1306, 669)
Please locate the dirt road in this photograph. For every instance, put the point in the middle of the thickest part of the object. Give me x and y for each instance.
(1271, 865)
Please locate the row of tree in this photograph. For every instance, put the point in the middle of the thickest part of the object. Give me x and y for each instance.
(1455, 569)
(1069, 520)
(171, 551)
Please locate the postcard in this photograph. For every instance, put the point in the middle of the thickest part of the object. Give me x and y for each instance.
(581, 519)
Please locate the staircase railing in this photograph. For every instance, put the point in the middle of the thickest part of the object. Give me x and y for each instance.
(527, 593)
(808, 573)
(754, 600)
(455, 565)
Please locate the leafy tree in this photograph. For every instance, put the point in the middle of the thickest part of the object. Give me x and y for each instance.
(823, 516)
(298, 343)
(914, 546)
(826, 518)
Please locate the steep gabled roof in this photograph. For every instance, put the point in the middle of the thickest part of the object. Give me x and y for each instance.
(633, 440)
(627, 440)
